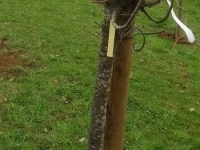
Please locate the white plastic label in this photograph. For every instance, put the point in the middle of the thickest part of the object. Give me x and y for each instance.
(111, 40)
(189, 34)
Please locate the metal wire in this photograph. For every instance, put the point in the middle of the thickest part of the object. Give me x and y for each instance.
(122, 37)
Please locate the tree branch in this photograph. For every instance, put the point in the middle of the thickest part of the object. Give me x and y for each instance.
(100, 1)
(116, 13)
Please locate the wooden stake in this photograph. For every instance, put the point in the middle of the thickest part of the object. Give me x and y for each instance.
(117, 101)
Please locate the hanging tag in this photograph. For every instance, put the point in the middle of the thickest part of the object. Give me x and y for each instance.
(188, 32)
(111, 40)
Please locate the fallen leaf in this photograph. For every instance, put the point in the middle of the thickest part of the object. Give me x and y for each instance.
(191, 109)
(45, 129)
(55, 80)
(171, 105)
(82, 140)
(5, 99)
(191, 127)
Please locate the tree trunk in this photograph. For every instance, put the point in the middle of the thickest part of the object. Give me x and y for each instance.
(179, 17)
(102, 87)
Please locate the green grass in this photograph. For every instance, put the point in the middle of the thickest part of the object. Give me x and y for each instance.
(48, 106)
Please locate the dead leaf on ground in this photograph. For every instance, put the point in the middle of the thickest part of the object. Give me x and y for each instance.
(191, 109)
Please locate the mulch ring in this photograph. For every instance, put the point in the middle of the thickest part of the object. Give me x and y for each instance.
(172, 37)
(9, 60)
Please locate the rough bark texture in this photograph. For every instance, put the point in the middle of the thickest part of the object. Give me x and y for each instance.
(102, 87)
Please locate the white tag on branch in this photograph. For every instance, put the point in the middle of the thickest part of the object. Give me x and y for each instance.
(189, 34)
(111, 40)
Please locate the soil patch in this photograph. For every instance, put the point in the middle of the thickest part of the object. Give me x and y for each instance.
(10, 59)
(172, 37)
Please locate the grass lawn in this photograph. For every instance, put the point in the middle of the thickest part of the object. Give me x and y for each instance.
(46, 84)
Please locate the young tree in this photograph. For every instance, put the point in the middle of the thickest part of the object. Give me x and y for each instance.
(111, 88)
(179, 16)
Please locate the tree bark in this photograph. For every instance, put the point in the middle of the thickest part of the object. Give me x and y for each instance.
(102, 88)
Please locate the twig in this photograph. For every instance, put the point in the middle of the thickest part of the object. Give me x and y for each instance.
(99, 2)
(114, 17)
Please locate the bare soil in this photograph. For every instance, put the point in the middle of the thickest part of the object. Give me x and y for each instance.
(10, 59)
(172, 37)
